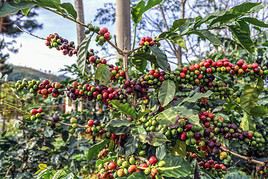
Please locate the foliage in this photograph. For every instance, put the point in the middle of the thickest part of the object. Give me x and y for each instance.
(152, 122)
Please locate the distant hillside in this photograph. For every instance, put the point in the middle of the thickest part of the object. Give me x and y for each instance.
(20, 72)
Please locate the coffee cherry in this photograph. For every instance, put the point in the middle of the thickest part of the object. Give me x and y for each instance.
(153, 160)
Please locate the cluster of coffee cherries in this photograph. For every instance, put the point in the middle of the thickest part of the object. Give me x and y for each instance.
(242, 67)
(94, 128)
(124, 167)
(30, 86)
(154, 77)
(103, 35)
(43, 88)
(147, 41)
(217, 125)
(46, 87)
(55, 41)
(95, 60)
(131, 86)
(91, 92)
(118, 74)
(36, 113)
(220, 89)
(213, 166)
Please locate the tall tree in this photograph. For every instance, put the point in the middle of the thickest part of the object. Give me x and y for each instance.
(80, 31)
(10, 27)
(80, 17)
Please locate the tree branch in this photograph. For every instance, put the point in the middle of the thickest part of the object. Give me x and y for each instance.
(248, 159)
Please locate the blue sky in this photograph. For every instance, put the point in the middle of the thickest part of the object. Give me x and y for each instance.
(33, 52)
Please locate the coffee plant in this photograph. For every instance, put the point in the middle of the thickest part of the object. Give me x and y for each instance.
(206, 119)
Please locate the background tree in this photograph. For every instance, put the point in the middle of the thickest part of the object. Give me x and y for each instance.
(10, 27)
(160, 19)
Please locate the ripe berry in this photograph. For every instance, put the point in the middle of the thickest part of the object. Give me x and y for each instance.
(112, 165)
(153, 160)
(103, 30)
(90, 122)
(34, 111)
(132, 168)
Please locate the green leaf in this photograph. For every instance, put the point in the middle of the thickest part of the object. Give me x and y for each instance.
(156, 139)
(137, 175)
(241, 34)
(196, 97)
(26, 11)
(245, 122)
(161, 58)
(82, 54)
(124, 108)
(52, 4)
(175, 167)
(100, 162)
(139, 9)
(250, 95)
(7, 9)
(236, 175)
(166, 92)
(119, 123)
(235, 12)
(259, 111)
(205, 34)
(179, 149)
(94, 150)
(254, 21)
(244, 7)
(103, 74)
(161, 152)
(178, 24)
(131, 145)
(168, 116)
(69, 9)
(48, 132)
(139, 62)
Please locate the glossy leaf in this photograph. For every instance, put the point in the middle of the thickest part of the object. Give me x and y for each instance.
(241, 33)
(197, 96)
(69, 9)
(95, 149)
(82, 54)
(161, 58)
(166, 92)
(137, 175)
(103, 74)
(131, 145)
(124, 108)
(254, 21)
(139, 9)
(139, 62)
(161, 152)
(205, 34)
(156, 139)
(100, 162)
(7, 9)
(176, 167)
(234, 12)
(119, 123)
(179, 149)
(236, 175)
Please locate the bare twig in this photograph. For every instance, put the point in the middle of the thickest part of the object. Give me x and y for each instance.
(248, 159)
(29, 33)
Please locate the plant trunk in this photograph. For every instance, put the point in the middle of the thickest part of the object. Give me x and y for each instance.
(123, 30)
(80, 31)
(123, 27)
(179, 50)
